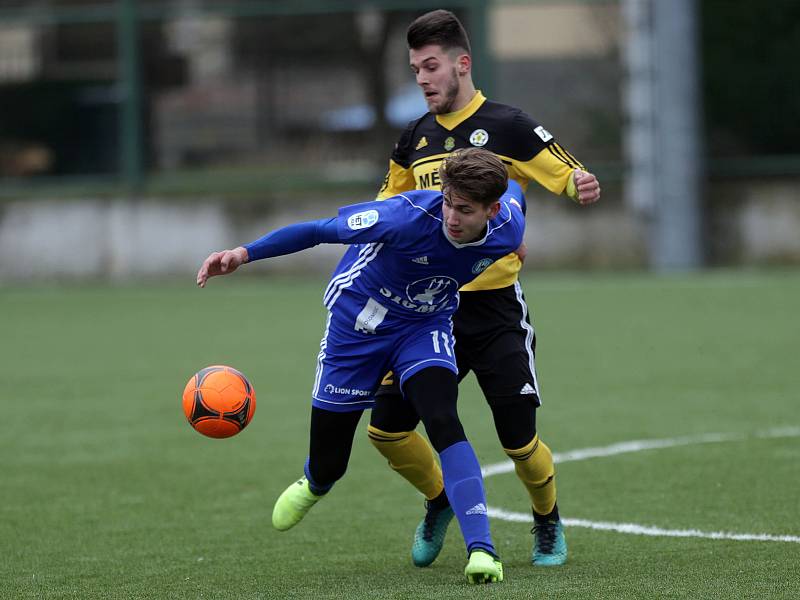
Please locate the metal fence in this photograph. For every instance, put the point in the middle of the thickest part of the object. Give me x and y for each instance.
(238, 96)
(183, 95)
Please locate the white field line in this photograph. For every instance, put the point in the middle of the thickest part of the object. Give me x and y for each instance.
(639, 446)
(634, 529)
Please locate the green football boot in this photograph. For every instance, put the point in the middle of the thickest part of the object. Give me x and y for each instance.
(293, 504)
(549, 544)
(430, 533)
(483, 568)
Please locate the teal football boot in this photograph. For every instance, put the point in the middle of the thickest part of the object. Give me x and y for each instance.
(430, 533)
(549, 544)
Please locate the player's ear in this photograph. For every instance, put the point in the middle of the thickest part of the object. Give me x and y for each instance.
(493, 210)
(464, 64)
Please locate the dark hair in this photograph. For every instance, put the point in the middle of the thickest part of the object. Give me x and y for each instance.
(440, 27)
(474, 174)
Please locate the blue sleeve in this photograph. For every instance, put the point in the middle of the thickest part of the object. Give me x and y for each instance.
(514, 192)
(376, 221)
(294, 238)
(509, 224)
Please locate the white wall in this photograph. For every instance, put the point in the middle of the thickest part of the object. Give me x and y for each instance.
(117, 239)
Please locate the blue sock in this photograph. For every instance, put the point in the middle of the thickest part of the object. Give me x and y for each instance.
(316, 489)
(464, 486)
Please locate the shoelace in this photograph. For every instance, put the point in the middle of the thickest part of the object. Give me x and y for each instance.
(430, 522)
(545, 536)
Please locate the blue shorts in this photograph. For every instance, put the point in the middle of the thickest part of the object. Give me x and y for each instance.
(351, 363)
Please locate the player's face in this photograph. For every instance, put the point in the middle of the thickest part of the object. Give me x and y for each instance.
(437, 74)
(465, 220)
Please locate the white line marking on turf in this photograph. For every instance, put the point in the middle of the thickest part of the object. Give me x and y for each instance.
(639, 446)
(634, 529)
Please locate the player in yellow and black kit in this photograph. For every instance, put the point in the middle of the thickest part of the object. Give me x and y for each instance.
(494, 337)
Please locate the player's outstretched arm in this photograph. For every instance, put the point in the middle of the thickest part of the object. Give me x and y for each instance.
(286, 240)
(587, 188)
(221, 263)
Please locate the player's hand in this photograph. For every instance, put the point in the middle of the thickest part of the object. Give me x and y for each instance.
(522, 252)
(586, 186)
(221, 263)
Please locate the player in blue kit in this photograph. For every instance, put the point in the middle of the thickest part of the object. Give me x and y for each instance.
(390, 302)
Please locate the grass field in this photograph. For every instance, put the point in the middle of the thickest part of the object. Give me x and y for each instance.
(106, 492)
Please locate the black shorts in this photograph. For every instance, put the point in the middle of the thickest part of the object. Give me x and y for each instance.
(495, 340)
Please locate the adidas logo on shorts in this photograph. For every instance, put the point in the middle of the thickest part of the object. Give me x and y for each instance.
(527, 389)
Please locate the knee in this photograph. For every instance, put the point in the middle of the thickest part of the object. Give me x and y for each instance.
(444, 429)
(441, 421)
(434, 393)
(327, 469)
(514, 420)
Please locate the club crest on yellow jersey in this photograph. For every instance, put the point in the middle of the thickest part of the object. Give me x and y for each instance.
(479, 137)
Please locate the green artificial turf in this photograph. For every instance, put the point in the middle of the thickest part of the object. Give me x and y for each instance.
(106, 492)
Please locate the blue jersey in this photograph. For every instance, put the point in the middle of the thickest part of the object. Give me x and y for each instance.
(404, 262)
(392, 295)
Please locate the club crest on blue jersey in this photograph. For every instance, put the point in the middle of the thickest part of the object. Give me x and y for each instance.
(362, 220)
(481, 265)
(432, 291)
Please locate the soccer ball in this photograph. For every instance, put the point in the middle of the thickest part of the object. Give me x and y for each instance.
(218, 401)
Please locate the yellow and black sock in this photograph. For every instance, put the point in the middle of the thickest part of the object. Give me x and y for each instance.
(411, 455)
(534, 466)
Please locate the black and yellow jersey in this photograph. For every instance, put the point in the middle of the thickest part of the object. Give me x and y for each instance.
(528, 150)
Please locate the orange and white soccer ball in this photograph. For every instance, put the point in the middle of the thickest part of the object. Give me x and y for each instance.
(219, 401)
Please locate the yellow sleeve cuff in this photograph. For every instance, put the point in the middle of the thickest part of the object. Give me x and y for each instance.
(571, 190)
